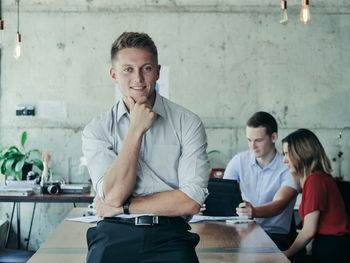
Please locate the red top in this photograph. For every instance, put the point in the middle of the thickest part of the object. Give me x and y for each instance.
(320, 192)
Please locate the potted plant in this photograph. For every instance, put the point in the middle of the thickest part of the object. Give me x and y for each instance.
(15, 162)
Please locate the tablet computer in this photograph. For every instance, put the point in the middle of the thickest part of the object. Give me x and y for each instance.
(224, 197)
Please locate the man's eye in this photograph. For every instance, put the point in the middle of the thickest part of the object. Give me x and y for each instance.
(128, 69)
(147, 69)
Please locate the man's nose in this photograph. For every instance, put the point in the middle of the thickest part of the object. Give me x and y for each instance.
(138, 77)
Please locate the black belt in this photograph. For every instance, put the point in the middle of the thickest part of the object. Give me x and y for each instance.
(147, 220)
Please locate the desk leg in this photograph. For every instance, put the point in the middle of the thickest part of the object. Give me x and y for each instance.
(9, 228)
(19, 225)
(30, 227)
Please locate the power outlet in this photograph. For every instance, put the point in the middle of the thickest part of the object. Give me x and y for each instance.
(25, 110)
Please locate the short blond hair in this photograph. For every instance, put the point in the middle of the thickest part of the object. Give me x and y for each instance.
(133, 40)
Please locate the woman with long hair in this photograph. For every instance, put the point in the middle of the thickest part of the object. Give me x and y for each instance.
(322, 209)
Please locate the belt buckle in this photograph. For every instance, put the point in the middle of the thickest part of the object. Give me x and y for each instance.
(154, 221)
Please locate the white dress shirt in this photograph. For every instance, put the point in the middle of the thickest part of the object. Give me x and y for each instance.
(172, 155)
(259, 186)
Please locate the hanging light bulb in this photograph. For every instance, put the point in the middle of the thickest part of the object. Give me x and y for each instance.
(17, 52)
(284, 14)
(1, 26)
(1, 31)
(305, 12)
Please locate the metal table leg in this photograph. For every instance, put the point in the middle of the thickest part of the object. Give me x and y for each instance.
(30, 227)
(19, 225)
(9, 228)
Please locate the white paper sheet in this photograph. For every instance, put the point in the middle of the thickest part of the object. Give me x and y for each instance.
(198, 218)
(84, 219)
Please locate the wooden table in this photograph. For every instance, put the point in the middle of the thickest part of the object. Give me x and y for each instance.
(39, 198)
(219, 242)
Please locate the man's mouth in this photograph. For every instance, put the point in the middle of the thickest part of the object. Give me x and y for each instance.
(138, 88)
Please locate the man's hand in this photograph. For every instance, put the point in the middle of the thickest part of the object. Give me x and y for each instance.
(141, 114)
(245, 209)
(105, 210)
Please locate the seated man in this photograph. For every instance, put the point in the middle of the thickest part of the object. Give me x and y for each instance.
(146, 155)
(268, 189)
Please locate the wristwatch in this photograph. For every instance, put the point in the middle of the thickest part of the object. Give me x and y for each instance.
(126, 206)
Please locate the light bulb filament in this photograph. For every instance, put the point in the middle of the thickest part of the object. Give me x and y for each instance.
(305, 12)
(18, 47)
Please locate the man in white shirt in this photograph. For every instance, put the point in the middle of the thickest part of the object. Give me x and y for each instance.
(268, 189)
(145, 156)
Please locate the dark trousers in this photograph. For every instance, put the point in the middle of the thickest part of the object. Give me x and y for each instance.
(112, 242)
(327, 248)
(282, 241)
(331, 248)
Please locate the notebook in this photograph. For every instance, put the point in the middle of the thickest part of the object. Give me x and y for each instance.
(224, 197)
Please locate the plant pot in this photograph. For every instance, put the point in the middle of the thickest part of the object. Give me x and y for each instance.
(27, 167)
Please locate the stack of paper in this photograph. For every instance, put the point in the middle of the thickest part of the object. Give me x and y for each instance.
(22, 182)
(17, 190)
(75, 188)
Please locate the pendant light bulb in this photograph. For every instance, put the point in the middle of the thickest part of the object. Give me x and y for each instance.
(1, 32)
(17, 52)
(305, 12)
(284, 14)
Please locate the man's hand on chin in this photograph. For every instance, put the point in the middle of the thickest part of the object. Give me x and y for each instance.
(141, 114)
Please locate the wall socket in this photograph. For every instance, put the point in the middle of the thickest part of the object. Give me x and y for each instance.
(25, 110)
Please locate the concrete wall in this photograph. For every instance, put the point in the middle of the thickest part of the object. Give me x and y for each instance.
(227, 60)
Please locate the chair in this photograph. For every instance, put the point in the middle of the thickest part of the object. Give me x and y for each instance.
(14, 255)
(344, 189)
(11, 255)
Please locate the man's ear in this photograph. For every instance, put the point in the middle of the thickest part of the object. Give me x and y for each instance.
(274, 137)
(158, 71)
(113, 74)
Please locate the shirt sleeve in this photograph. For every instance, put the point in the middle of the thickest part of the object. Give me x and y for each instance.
(315, 195)
(98, 152)
(194, 168)
(288, 180)
(232, 169)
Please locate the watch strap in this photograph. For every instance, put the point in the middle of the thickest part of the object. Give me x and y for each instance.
(126, 206)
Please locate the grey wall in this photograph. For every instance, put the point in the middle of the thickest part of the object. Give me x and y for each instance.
(227, 60)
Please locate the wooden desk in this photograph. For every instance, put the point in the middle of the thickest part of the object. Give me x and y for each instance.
(219, 242)
(39, 198)
(60, 198)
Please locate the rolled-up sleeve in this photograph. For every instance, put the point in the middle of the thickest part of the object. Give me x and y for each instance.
(194, 168)
(98, 152)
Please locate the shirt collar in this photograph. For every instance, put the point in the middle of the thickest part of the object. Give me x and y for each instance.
(158, 107)
(271, 165)
(121, 109)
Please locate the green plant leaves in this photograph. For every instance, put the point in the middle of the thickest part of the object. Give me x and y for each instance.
(38, 163)
(213, 151)
(19, 165)
(24, 138)
(12, 159)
